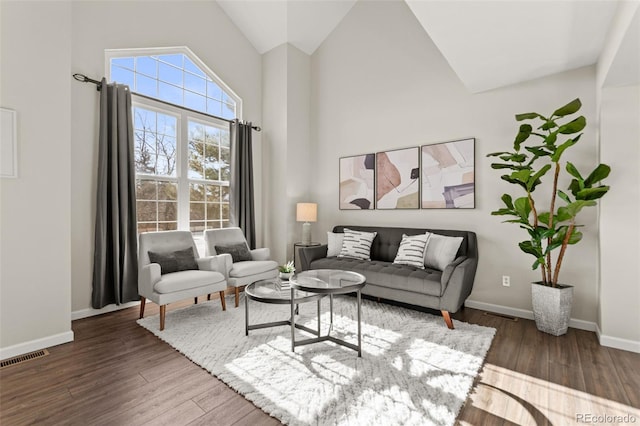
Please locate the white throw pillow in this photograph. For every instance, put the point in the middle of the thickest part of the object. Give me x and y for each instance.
(411, 250)
(441, 251)
(334, 243)
(357, 244)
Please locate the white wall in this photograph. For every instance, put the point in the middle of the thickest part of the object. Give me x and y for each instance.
(201, 26)
(620, 216)
(35, 260)
(287, 141)
(379, 82)
(618, 86)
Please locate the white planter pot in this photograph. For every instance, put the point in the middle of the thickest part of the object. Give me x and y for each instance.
(285, 275)
(552, 307)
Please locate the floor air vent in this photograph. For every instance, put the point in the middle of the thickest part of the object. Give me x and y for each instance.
(508, 317)
(23, 358)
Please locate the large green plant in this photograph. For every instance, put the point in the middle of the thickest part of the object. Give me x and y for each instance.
(535, 153)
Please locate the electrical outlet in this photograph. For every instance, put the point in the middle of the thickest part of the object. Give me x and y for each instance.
(506, 281)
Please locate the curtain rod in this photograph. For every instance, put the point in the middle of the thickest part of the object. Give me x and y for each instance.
(84, 79)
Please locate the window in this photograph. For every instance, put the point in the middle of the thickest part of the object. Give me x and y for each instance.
(182, 153)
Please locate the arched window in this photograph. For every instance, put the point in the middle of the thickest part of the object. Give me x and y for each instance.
(181, 111)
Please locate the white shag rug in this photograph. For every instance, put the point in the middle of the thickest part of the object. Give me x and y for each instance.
(413, 370)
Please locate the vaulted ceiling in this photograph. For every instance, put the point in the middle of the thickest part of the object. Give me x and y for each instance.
(489, 44)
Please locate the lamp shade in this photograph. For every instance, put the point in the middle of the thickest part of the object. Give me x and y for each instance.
(306, 212)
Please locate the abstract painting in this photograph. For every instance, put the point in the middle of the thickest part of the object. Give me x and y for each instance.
(448, 178)
(356, 182)
(398, 179)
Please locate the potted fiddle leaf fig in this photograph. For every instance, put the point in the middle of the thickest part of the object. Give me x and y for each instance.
(552, 227)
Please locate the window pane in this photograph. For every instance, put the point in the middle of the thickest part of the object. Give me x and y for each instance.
(195, 84)
(168, 226)
(167, 124)
(213, 224)
(167, 191)
(147, 65)
(170, 74)
(211, 134)
(225, 193)
(224, 138)
(172, 59)
(165, 166)
(194, 101)
(166, 145)
(123, 62)
(196, 211)
(228, 99)
(226, 224)
(189, 65)
(146, 211)
(225, 211)
(167, 211)
(196, 226)
(225, 174)
(144, 119)
(144, 141)
(225, 158)
(147, 227)
(213, 211)
(146, 190)
(145, 162)
(122, 75)
(214, 91)
(228, 111)
(214, 107)
(146, 86)
(170, 93)
(196, 192)
(213, 193)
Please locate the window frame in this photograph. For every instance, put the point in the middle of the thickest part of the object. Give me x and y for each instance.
(183, 115)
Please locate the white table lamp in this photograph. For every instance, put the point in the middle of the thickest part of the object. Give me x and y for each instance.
(306, 212)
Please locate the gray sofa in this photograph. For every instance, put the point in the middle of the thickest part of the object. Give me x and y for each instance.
(443, 290)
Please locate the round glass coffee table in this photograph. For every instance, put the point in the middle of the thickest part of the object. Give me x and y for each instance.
(322, 282)
(275, 291)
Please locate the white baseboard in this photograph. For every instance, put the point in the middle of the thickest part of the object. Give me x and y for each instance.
(617, 343)
(35, 345)
(523, 313)
(90, 312)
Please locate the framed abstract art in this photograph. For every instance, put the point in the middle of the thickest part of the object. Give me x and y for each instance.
(357, 182)
(398, 179)
(448, 175)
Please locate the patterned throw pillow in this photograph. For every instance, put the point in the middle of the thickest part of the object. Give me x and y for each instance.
(411, 250)
(180, 260)
(357, 244)
(239, 252)
(441, 251)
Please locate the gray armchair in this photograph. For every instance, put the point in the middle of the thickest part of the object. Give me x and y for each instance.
(239, 273)
(166, 288)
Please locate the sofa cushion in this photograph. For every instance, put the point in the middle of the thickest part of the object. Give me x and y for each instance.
(411, 250)
(357, 244)
(253, 267)
(185, 280)
(387, 274)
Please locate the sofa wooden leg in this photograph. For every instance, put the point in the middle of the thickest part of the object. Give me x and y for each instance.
(142, 301)
(237, 296)
(163, 310)
(209, 296)
(447, 319)
(195, 300)
(224, 302)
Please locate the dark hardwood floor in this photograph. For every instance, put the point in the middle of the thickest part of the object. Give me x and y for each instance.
(117, 373)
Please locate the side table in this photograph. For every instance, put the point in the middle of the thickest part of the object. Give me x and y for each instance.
(301, 244)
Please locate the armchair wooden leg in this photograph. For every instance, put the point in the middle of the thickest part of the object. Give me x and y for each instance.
(224, 302)
(163, 310)
(209, 296)
(142, 301)
(195, 300)
(237, 296)
(447, 319)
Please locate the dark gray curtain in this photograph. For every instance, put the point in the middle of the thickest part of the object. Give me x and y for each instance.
(242, 207)
(115, 260)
